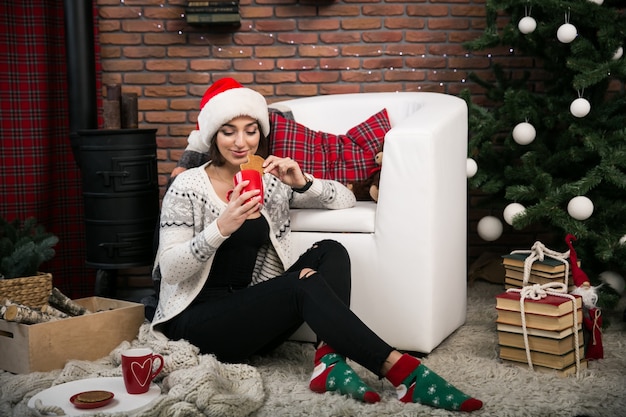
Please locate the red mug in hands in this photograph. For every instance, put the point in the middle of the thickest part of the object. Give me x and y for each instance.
(255, 178)
(138, 369)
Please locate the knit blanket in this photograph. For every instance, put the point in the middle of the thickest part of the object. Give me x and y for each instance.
(191, 383)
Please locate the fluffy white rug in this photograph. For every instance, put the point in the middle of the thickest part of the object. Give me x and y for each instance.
(277, 385)
(469, 360)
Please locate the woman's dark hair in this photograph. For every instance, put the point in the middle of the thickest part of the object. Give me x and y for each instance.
(216, 157)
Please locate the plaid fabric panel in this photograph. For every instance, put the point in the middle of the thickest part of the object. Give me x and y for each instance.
(39, 175)
(344, 158)
(293, 140)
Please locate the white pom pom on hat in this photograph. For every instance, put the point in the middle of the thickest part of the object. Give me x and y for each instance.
(225, 100)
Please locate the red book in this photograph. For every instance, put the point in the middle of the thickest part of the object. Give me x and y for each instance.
(551, 305)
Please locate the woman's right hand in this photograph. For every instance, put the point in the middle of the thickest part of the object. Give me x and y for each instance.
(240, 206)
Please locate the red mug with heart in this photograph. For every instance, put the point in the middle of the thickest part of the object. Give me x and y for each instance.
(255, 178)
(139, 367)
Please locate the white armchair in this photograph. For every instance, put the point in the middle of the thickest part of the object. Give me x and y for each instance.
(408, 251)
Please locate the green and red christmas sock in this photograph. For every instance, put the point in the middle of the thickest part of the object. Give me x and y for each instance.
(332, 373)
(416, 383)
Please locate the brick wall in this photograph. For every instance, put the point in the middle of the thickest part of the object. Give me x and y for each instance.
(293, 48)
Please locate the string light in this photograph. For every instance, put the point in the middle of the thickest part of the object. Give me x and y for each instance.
(379, 51)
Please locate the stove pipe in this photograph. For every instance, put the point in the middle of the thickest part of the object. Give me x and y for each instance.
(81, 67)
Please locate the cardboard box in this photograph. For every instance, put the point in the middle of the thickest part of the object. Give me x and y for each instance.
(46, 346)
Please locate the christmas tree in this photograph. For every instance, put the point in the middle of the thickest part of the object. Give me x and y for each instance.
(550, 145)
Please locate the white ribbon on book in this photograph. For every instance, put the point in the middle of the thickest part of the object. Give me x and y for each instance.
(538, 251)
(537, 292)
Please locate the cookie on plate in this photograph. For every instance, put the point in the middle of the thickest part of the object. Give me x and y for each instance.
(93, 396)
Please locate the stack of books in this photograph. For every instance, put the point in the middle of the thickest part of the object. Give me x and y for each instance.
(213, 12)
(550, 329)
(542, 272)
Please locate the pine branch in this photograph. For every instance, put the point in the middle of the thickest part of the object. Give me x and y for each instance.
(24, 247)
(570, 156)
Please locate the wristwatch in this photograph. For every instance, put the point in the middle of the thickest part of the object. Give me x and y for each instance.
(309, 182)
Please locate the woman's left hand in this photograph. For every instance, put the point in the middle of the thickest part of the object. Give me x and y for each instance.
(286, 170)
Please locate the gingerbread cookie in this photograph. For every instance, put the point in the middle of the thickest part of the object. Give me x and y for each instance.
(255, 162)
(93, 396)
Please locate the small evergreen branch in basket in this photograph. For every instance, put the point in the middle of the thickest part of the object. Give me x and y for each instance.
(24, 246)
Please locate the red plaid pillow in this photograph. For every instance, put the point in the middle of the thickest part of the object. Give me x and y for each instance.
(344, 158)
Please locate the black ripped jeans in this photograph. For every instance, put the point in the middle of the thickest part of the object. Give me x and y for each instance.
(261, 317)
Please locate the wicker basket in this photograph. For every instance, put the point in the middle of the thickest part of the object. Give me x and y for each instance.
(29, 291)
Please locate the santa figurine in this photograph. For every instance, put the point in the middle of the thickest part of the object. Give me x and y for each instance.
(592, 315)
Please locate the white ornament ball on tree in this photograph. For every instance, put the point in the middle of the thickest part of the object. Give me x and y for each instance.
(580, 207)
(566, 33)
(622, 240)
(489, 228)
(527, 25)
(613, 280)
(580, 107)
(598, 2)
(524, 133)
(511, 211)
(472, 168)
(619, 52)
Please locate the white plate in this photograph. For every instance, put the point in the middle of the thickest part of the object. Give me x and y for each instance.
(59, 396)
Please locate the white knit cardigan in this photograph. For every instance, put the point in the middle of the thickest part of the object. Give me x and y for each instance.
(189, 236)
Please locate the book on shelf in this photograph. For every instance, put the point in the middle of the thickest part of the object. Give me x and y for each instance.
(547, 360)
(548, 264)
(212, 3)
(213, 18)
(539, 321)
(518, 283)
(567, 371)
(553, 334)
(541, 344)
(550, 305)
(212, 10)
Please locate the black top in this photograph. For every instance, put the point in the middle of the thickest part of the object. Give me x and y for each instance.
(234, 260)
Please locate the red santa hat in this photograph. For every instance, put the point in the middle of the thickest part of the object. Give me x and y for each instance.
(580, 278)
(225, 100)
